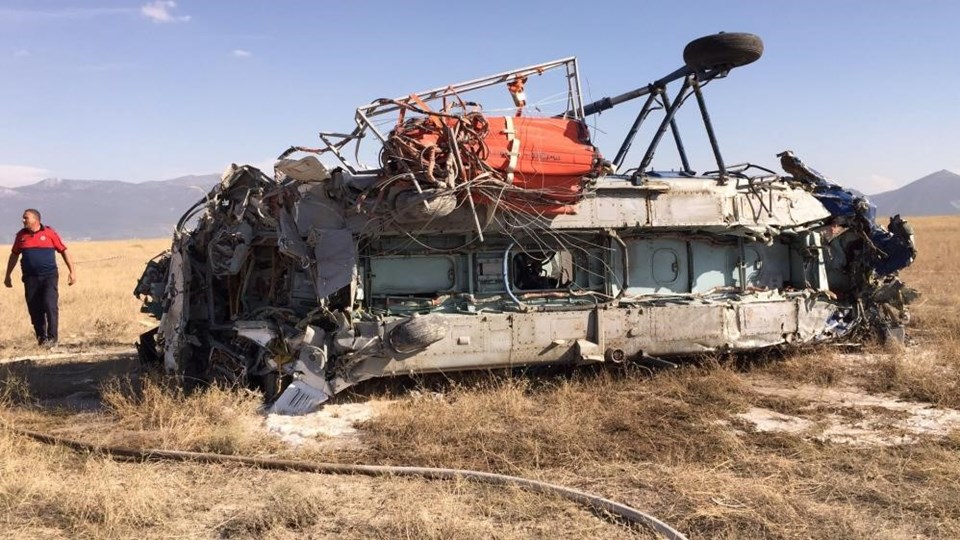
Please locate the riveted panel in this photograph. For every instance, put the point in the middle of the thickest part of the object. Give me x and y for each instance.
(683, 209)
(685, 323)
(499, 332)
(768, 318)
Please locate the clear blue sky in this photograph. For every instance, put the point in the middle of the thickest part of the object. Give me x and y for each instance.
(864, 91)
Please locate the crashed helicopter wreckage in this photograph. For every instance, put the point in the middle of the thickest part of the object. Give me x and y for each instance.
(486, 241)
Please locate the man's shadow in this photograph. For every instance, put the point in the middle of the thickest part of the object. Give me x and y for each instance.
(65, 384)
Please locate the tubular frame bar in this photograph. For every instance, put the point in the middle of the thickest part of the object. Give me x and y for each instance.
(709, 127)
(575, 102)
(655, 142)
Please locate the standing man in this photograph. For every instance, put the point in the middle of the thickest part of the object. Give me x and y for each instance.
(37, 244)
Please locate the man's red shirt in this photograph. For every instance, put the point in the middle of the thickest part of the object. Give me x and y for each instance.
(38, 250)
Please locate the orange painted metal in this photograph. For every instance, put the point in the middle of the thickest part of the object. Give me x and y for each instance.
(553, 157)
(554, 154)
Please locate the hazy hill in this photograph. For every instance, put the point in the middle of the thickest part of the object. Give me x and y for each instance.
(936, 194)
(111, 209)
(103, 209)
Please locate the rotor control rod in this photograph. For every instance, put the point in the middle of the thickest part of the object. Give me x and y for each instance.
(609, 102)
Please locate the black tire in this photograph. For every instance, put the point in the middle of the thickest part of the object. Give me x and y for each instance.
(725, 51)
(418, 332)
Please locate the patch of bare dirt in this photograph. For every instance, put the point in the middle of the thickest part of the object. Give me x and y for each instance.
(847, 414)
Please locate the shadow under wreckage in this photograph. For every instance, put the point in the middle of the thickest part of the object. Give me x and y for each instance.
(488, 240)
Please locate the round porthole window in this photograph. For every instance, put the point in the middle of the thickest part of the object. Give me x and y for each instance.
(666, 266)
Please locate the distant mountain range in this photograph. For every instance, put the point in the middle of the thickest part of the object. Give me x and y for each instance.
(104, 209)
(110, 209)
(936, 194)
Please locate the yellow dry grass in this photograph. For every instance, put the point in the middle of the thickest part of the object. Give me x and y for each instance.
(161, 416)
(49, 492)
(99, 310)
(932, 371)
(669, 443)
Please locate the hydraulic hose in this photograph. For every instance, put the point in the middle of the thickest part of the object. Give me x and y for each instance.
(625, 512)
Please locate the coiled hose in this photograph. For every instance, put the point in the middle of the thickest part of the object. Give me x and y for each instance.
(632, 515)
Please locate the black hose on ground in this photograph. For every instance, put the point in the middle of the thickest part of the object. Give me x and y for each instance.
(632, 515)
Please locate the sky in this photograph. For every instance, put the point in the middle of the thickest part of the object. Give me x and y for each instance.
(863, 91)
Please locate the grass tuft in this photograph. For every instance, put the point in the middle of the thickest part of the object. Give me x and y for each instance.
(14, 391)
(212, 420)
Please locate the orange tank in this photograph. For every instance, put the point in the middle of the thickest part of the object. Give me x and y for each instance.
(547, 158)
(547, 155)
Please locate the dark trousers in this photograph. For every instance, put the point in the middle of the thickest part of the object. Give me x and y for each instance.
(42, 297)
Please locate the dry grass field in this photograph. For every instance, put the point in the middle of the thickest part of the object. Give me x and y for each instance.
(680, 445)
(98, 311)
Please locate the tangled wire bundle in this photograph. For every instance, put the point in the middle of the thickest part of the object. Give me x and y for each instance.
(448, 153)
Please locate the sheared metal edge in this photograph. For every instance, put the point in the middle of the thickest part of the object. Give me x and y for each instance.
(174, 318)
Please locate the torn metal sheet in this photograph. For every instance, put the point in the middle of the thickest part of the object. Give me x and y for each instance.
(487, 241)
(335, 258)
